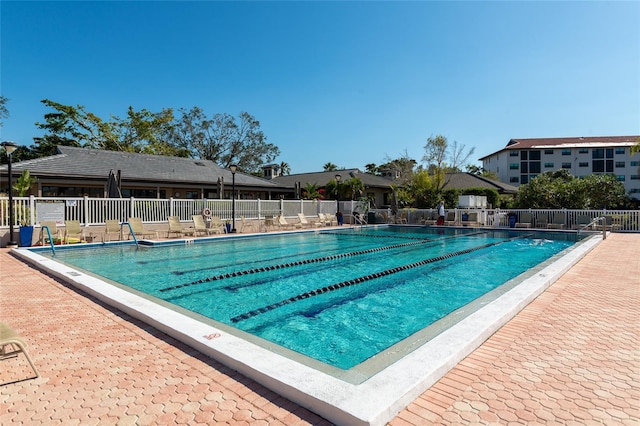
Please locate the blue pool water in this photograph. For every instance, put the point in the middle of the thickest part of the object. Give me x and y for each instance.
(337, 297)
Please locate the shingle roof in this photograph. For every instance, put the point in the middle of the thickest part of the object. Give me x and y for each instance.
(468, 180)
(95, 164)
(322, 178)
(573, 142)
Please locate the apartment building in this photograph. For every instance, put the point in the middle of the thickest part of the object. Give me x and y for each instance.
(523, 159)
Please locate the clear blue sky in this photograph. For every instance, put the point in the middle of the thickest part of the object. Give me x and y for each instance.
(350, 83)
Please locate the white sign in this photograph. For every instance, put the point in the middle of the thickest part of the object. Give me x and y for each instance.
(50, 212)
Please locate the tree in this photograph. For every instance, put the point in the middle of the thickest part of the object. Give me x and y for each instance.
(560, 189)
(4, 112)
(223, 139)
(437, 151)
(141, 131)
(330, 167)
(354, 187)
(311, 192)
(480, 171)
(24, 183)
(405, 165)
(285, 169)
(371, 169)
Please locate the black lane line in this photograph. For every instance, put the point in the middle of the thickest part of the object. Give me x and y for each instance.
(294, 263)
(309, 261)
(362, 279)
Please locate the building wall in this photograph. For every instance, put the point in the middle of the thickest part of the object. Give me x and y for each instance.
(518, 166)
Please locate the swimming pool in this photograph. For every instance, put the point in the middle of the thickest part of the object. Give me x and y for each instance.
(381, 271)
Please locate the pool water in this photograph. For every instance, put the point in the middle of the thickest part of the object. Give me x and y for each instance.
(337, 297)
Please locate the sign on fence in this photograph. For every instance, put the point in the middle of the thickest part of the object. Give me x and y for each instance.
(50, 212)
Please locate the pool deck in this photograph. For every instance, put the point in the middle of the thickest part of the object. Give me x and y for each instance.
(571, 356)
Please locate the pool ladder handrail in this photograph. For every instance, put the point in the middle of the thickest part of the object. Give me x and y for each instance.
(45, 227)
(133, 234)
(593, 222)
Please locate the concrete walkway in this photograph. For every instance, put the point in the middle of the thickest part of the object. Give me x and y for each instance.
(570, 357)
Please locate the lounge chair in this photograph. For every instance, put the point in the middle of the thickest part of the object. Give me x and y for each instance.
(216, 223)
(199, 226)
(450, 219)
(525, 220)
(582, 221)
(542, 221)
(431, 219)
(282, 223)
(402, 218)
(72, 228)
(471, 219)
(112, 227)
(175, 227)
(557, 221)
(305, 223)
(53, 230)
(138, 228)
(11, 345)
(268, 222)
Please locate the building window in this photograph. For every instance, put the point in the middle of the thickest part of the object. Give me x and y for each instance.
(566, 151)
(583, 151)
(524, 155)
(620, 151)
(635, 177)
(620, 178)
(534, 155)
(583, 164)
(609, 152)
(566, 165)
(548, 152)
(514, 179)
(548, 165)
(534, 167)
(524, 167)
(514, 166)
(619, 164)
(597, 166)
(524, 179)
(514, 154)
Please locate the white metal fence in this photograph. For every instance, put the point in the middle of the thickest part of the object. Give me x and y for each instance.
(95, 211)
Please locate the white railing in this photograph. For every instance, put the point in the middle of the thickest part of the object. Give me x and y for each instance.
(95, 211)
(619, 220)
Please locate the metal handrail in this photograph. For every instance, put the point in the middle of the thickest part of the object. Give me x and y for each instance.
(133, 234)
(45, 227)
(593, 222)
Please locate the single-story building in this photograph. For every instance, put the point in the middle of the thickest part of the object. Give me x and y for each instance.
(75, 172)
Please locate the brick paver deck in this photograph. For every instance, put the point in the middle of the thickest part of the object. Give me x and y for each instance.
(570, 357)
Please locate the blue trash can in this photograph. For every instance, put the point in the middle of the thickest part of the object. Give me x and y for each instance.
(26, 236)
(512, 220)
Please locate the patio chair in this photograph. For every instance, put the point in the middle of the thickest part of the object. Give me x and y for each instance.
(402, 218)
(431, 219)
(542, 221)
(53, 230)
(138, 228)
(305, 223)
(175, 227)
(525, 220)
(557, 221)
(199, 226)
(11, 345)
(72, 228)
(112, 227)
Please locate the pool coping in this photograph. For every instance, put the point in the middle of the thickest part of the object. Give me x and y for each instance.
(374, 401)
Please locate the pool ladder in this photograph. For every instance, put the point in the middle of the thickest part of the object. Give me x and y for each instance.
(46, 228)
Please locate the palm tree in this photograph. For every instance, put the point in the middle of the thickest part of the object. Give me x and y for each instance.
(285, 169)
(310, 192)
(330, 167)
